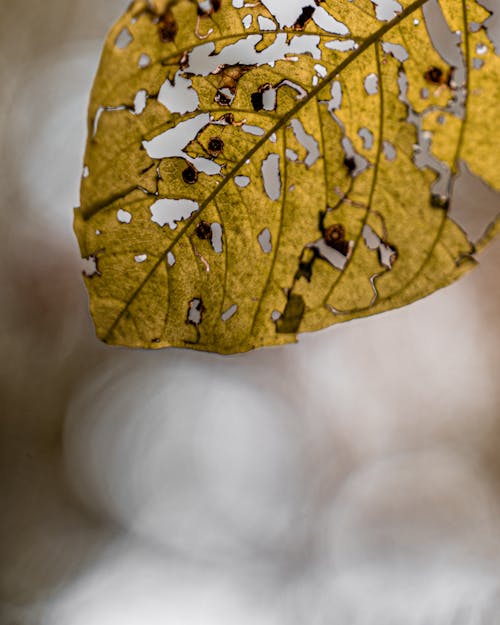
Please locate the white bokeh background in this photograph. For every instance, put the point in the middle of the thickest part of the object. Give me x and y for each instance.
(352, 479)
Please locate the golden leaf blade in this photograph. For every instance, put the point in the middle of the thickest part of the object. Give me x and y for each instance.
(303, 178)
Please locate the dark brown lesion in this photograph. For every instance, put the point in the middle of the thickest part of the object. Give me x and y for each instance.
(440, 201)
(304, 17)
(257, 98)
(203, 231)
(289, 322)
(190, 175)
(167, 26)
(213, 7)
(334, 237)
(228, 79)
(215, 146)
(350, 164)
(437, 76)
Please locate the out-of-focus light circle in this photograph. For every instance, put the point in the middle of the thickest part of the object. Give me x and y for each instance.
(192, 452)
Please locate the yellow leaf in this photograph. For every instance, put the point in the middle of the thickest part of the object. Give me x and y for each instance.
(247, 180)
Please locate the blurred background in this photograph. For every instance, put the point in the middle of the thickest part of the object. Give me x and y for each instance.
(352, 479)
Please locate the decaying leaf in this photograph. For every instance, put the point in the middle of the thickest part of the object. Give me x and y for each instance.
(245, 181)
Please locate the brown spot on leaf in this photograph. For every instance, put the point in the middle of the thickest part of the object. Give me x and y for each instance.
(334, 237)
(440, 201)
(190, 175)
(203, 231)
(229, 75)
(304, 17)
(257, 101)
(436, 76)
(167, 27)
(228, 118)
(258, 96)
(289, 322)
(223, 99)
(350, 164)
(215, 146)
(214, 6)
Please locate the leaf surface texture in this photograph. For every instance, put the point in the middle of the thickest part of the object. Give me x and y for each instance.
(246, 180)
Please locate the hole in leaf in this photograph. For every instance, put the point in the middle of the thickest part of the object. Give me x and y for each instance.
(386, 10)
(217, 237)
(328, 23)
(367, 137)
(265, 23)
(123, 216)
(242, 181)
(140, 101)
(397, 50)
(195, 311)
(124, 39)
(304, 17)
(271, 176)
(230, 312)
(307, 141)
(89, 266)
(253, 130)
(178, 96)
(389, 151)
(265, 241)
(371, 84)
(166, 211)
(247, 21)
(144, 61)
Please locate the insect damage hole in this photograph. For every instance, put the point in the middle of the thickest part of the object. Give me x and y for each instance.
(190, 175)
(386, 10)
(195, 312)
(371, 84)
(264, 99)
(144, 61)
(307, 141)
(124, 39)
(271, 176)
(304, 17)
(265, 241)
(167, 211)
(242, 181)
(367, 137)
(216, 239)
(140, 101)
(89, 266)
(215, 146)
(389, 151)
(123, 216)
(178, 95)
(230, 312)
